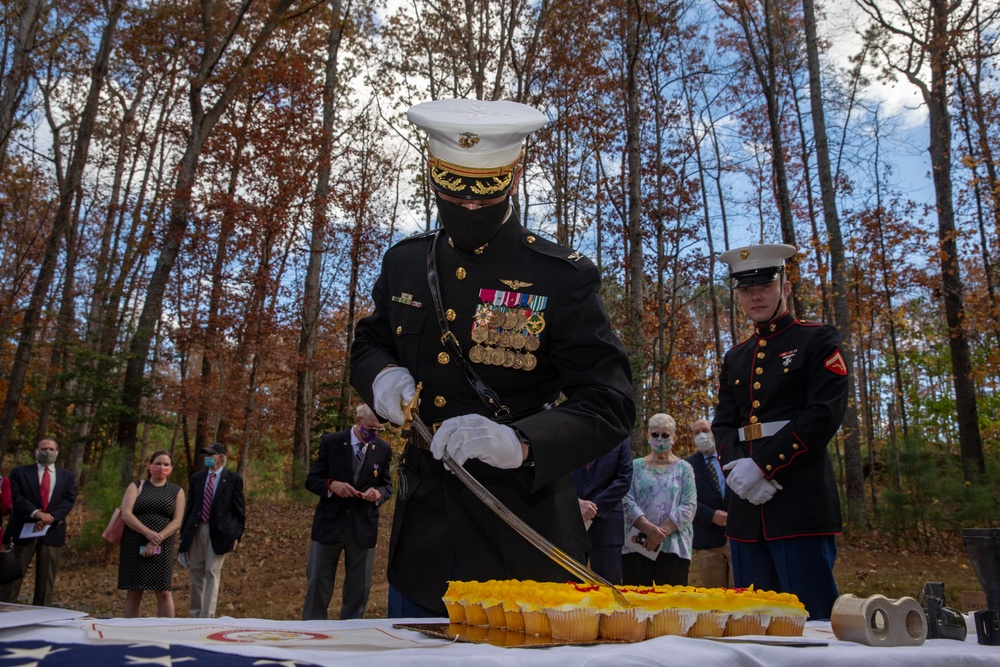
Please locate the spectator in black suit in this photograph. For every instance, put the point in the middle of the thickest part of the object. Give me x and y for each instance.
(214, 521)
(711, 548)
(351, 477)
(43, 495)
(600, 486)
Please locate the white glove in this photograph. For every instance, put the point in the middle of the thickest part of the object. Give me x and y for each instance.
(476, 437)
(762, 491)
(743, 476)
(393, 387)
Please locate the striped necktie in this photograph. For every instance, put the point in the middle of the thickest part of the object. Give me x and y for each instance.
(710, 461)
(206, 503)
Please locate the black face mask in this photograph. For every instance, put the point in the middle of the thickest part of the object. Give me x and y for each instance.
(471, 228)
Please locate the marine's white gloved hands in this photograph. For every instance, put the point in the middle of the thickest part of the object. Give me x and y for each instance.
(476, 437)
(743, 476)
(393, 387)
(763, 491)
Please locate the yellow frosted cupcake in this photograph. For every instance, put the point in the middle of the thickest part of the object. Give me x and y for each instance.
(574, 611)
(749, 613)
(530, 601)
(789, 616)
(668, 615)
(628, 623)
(475, 614)
(509, 593)
(453, 601)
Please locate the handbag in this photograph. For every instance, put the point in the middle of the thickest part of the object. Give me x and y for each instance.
(10, 565)
(116, 526)
(113, 533)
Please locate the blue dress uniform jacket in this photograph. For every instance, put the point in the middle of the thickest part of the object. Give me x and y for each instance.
(335, 461)
(441, 531)
(788, 370)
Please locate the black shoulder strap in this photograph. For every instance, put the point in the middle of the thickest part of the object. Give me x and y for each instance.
(486, 393)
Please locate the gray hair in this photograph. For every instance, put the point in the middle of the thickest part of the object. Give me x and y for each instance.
(662, 420)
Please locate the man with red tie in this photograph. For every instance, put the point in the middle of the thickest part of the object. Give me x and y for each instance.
(214, 521)
(43, 495)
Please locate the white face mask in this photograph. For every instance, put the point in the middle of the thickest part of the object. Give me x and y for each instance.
(705, 443)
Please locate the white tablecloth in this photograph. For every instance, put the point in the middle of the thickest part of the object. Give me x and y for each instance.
(404, 647)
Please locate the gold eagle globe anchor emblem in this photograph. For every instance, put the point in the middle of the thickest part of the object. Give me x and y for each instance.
(468, 139)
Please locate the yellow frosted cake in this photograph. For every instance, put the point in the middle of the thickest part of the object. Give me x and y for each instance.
(578, 612)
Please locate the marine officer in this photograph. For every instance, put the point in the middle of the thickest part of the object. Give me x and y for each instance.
(497, 323)
(782, 397)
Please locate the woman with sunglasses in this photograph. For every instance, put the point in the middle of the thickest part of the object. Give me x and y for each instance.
(659, 512)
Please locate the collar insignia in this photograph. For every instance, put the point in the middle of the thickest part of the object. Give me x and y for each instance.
(515, 284)
(575, 255)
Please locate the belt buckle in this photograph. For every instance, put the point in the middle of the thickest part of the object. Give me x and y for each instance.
(753, 432)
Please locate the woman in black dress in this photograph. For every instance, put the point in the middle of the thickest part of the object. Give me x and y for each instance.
(152, 510)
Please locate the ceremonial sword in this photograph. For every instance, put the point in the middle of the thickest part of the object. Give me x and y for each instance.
(413, 422)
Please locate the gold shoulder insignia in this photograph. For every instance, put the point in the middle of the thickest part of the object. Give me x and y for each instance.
(515, 284)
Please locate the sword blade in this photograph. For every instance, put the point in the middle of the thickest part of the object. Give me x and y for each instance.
(567, 562)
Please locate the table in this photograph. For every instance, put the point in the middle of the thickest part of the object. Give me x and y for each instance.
(374, 643)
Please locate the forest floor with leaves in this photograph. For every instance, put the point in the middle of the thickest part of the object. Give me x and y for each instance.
(266, 577)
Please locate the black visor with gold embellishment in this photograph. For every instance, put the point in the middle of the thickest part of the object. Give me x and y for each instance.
(470, 182)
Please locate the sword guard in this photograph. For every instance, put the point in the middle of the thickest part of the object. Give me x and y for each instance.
(410, 410)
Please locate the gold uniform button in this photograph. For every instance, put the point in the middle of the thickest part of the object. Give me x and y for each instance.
(399, 330)
(760, 355)
(781, 457)
(756, 404)
(460, 273)
(754, 420)
(768, 467)
(440, 401)
(786, 370)
(756, 385)
(758, 370)
(795, 446)
(763, 343)
(737, 382)
(443, 358)
(530, 239)
(450, 314)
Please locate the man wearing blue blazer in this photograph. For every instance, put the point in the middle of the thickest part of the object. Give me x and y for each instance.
(43, 495)
(351, 477)
(600, 486)
(711, 548)
(214, 521)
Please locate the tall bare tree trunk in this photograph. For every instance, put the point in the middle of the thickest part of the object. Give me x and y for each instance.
(62, 221)
(15, 82)
(305, 404)
(857, 515)
(634, 269)
(936, 98)
(202, 123)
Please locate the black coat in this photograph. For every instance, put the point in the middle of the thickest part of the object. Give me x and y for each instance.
(226, 520)
(788, 370)
(440, 530)
(605, 483)
(335, 462)
(707, 535)
(27, 497)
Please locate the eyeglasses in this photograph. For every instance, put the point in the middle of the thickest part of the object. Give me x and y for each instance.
(660, 435)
